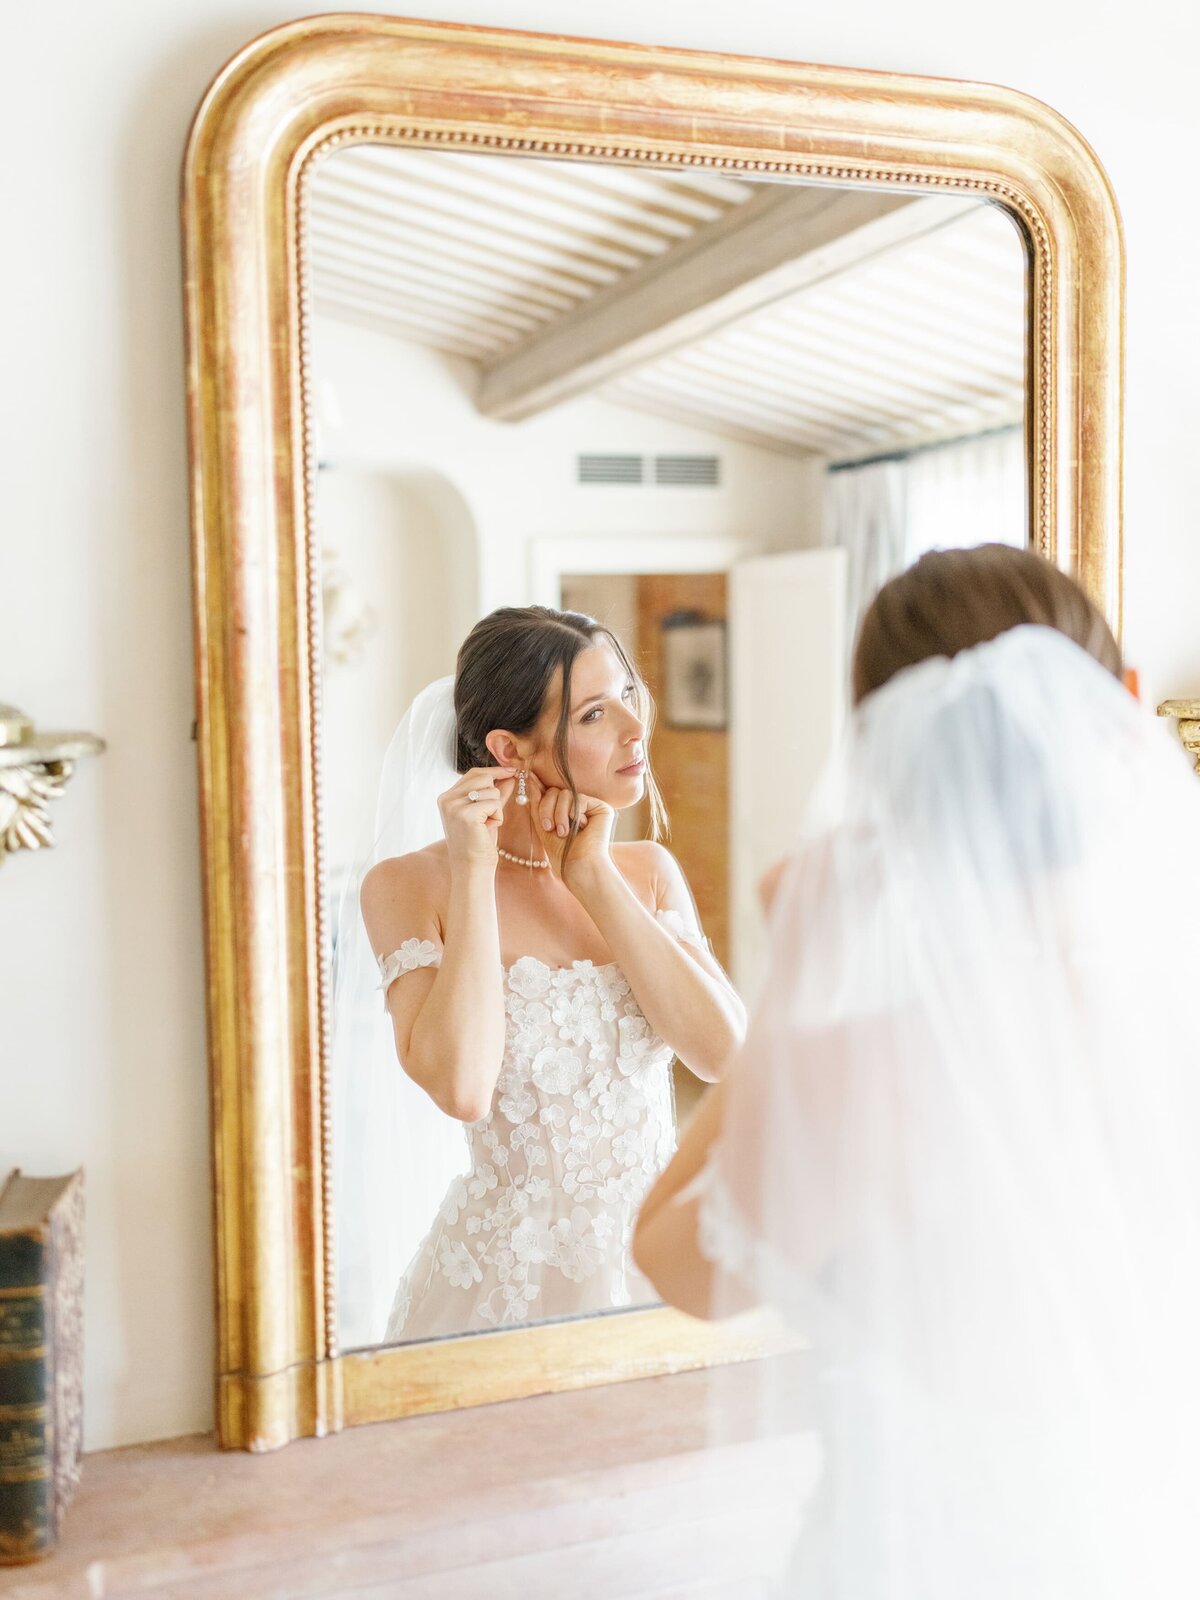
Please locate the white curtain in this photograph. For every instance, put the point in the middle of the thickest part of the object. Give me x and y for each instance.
(888, 513)
(965, 494)
(865, 515)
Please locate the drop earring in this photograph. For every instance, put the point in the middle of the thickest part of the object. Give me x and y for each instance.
(522, 797)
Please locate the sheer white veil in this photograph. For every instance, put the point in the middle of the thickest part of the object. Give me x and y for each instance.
(960, 1149)
(394, 1152)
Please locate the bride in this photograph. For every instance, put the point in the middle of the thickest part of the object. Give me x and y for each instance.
(539, 976)
(958, 1148)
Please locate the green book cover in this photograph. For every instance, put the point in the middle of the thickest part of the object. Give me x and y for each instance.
(40, 1284)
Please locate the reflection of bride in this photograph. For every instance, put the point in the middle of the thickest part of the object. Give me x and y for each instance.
(538, 978)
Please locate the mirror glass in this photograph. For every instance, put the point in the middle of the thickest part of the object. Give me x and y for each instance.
(712, 414)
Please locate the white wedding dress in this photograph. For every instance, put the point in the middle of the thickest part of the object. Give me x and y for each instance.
(581, 1124)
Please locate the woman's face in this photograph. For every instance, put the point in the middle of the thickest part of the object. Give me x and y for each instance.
(605, 735)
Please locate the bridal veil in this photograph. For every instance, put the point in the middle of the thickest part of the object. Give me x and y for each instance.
(960, 1144)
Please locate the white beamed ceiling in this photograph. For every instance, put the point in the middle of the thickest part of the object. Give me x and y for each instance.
(916, 340)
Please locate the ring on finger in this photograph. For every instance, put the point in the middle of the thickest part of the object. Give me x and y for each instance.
(473, 795)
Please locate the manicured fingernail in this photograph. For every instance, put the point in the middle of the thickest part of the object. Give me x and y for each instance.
(562, 828)
(547, 824)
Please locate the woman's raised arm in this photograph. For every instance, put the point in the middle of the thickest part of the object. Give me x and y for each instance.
(448, 1010)
(679, 985)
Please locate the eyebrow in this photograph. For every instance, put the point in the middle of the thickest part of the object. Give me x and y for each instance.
(583, 704)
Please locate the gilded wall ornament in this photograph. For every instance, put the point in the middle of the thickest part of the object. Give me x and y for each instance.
(1188, 712)
(34, 769)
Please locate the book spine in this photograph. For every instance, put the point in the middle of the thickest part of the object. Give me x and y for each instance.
(27, 1514)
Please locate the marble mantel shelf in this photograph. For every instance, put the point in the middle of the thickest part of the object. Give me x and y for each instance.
(600, 1494)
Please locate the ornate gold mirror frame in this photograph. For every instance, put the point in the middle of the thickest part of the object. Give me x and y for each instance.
(283, 102)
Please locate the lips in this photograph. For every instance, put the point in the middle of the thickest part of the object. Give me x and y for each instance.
(633, 769)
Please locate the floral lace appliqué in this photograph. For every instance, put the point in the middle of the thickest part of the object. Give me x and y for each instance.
(413, 953)
(581, 1124)
(686, 933)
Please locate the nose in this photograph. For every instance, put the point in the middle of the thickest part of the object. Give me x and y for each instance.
(636, 728)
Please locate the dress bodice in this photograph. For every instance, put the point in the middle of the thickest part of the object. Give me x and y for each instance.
(582, 1121)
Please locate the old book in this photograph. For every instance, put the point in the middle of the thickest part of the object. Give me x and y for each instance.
(41, 1359)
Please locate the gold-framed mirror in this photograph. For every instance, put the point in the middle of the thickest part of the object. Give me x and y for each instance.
(324, 144)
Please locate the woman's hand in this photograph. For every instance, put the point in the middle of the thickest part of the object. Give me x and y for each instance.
(552, 808)
(471, 826)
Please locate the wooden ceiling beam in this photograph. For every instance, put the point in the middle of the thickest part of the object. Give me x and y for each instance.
(782, 240)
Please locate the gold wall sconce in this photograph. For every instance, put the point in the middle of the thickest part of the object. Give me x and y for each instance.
(34, 769)
(1188, 712)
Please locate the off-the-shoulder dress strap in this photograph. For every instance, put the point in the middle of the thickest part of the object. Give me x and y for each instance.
(413, 953)
(685, 931)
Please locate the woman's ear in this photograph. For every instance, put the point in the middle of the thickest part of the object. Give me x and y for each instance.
(503, 749)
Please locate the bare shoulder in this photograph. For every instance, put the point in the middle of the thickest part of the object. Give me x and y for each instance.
(768, 884)
(419, 881)
(648, 866)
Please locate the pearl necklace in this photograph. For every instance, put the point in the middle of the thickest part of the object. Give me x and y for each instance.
(521, 861)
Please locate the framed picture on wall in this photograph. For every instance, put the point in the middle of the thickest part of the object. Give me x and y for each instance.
(694, 675)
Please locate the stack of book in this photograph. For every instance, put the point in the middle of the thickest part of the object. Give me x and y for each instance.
(41, 1359)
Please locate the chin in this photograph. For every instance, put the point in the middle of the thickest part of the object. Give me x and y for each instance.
(628, 791)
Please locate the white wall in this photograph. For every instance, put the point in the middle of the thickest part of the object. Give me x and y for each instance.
(100, 945)
(387, 541)
(400, 405)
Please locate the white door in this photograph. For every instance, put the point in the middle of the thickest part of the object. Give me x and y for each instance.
(788, 677)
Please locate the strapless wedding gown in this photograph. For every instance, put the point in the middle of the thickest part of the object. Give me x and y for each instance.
(581, 1124)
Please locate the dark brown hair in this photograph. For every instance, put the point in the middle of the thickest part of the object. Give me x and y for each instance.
(506, 668)
(953, 599)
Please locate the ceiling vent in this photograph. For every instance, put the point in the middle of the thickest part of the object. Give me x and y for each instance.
(611, 469)
(667, 472)
(699, 472)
